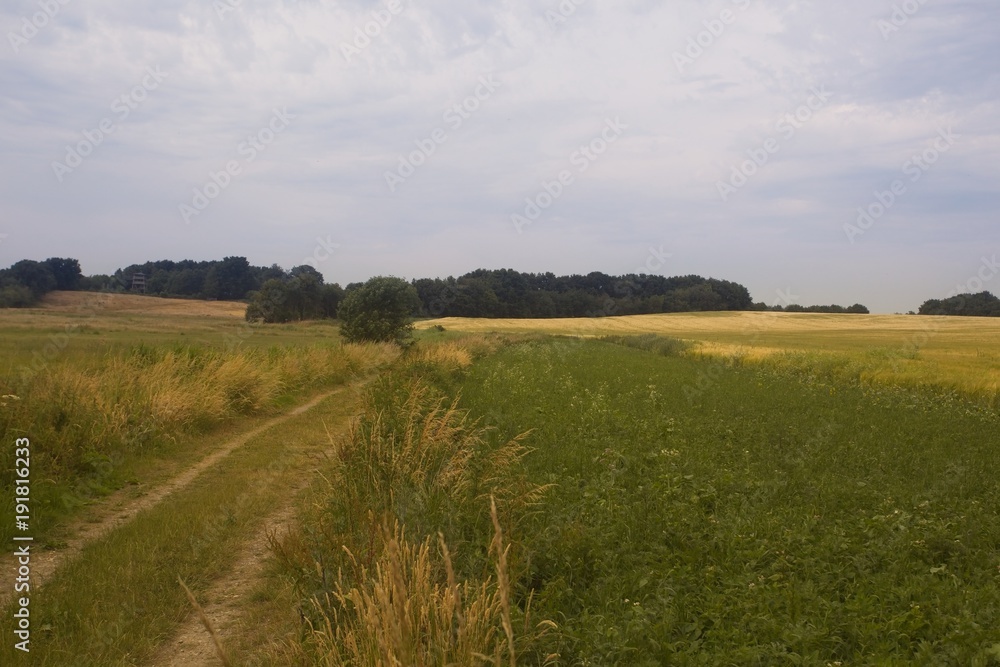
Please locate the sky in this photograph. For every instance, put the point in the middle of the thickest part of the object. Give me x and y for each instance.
(815, 152)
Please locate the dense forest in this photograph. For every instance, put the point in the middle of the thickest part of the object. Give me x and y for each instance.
(27, 281)
(508, 293)
(276, 295)
(983, 304)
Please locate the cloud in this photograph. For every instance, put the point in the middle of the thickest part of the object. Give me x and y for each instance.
(369, 81)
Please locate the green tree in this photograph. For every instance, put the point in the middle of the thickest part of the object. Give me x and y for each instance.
(331, 296)
(66, 271)
(36, 276)
(380, 310)
(229, 279)
(271, 303)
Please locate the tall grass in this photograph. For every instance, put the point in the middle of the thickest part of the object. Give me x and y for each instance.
(412, 473)
(85, 419)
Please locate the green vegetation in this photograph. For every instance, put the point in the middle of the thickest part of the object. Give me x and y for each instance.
(632, 500)
(765, 518)
(102, 404)
(114, 604)
(983, 304)
(948, 353)
(407, 554)
(509, 293)
(379, 311)
(302, 296)
(25, 282)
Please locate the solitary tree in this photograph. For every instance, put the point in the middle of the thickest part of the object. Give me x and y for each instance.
(379, 311)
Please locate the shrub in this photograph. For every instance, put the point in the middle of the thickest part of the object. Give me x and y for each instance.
(379, 311)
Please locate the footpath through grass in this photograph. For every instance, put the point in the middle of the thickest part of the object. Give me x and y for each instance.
(120, 599)
(747, 516)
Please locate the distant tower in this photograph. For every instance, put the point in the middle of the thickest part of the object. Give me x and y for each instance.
(139, 282)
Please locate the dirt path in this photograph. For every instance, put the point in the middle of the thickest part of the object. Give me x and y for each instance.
(224, 604)
(117, 510)
(226, 601)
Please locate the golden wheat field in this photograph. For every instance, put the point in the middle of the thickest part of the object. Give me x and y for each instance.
(961, 353)
(136, 304)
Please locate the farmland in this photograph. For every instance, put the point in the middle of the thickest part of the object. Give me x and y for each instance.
(958, 353)
(767, 518)
(755, 490)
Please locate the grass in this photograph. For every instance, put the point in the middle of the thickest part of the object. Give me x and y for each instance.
(767, 518)
(953, 353)
(92, 423)
(403, 558)
(117, 601)
(105, 394)
(773, 489)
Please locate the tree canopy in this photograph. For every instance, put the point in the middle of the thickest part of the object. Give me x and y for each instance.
(27, 281)
(379, 311)
(983, 304)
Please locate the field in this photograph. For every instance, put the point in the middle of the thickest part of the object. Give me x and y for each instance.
(761, 519)
(756, 490)
(960, 353)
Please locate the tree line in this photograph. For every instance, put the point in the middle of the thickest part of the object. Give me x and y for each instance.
(983, 304)
(25, 282)
(512, 294)
(276, 295)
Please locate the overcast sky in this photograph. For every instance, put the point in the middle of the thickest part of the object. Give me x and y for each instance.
(731, 139)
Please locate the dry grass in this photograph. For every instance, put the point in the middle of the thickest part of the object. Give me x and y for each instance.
(124, 304)
(94, 417)
(205, 621)
(411, 610)
(954, 353)
(413, 471)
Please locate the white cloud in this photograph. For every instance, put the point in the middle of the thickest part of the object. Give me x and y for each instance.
(560, 81)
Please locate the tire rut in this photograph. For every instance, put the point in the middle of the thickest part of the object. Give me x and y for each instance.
(44, 564)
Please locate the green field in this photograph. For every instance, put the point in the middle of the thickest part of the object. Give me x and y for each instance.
(816, 491)
(763, 519)
(957, 353)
